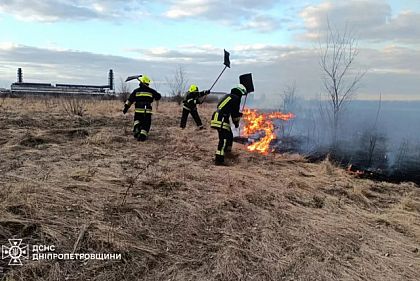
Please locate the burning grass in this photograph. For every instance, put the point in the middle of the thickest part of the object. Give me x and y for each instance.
(83, 183)
(255, 122)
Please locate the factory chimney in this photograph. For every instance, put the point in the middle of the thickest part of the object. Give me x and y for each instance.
(19, 75)
(111, 79)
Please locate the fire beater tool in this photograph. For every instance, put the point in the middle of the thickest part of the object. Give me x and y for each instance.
(246, 80)
(129, 78)
(226, 62)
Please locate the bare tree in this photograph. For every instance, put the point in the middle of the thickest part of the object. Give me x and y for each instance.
(178, 84)
(3, 99)
(402, 154)
(374, 135)
(123, 90)
(288, 105)
(289, 97)
(337, 55)
(156, 86)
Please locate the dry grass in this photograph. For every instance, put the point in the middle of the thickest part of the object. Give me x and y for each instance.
(175, 216)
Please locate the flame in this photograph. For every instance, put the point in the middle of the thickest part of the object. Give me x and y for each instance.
(351, 170)
(260, 122)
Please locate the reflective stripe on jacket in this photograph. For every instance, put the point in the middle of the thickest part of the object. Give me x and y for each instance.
(143, 97)
(227, 107)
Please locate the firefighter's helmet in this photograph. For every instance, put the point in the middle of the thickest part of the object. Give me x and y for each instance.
(145, 80)
(240, 89)
(193, 88)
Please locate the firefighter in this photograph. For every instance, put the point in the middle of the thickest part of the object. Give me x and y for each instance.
(191, 99)
(227, 107)
(143, 97)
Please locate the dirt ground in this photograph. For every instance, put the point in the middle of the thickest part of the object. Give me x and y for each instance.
(84, 184)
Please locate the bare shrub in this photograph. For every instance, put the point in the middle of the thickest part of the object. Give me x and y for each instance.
(178, 85)
(288, 104)
(49, 102)
(373, 145)
(74, 106)
(2, 99)
(328, 166)
(123, 90)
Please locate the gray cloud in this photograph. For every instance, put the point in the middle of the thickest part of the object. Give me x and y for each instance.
(262, 23)
(56, 10)
(241, 54)
(391, 70)
(244, 14)
(62, 66)
(216, 9)
(371, 20)
(82, 67)
(201, 55)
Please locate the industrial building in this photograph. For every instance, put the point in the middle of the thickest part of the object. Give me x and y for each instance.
(21, 88)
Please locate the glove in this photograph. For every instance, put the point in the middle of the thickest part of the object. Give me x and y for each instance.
(126, 107)
(236, 124)
(240, 114)
(206, 92)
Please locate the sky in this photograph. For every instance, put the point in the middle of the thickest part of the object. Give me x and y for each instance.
(78, 41)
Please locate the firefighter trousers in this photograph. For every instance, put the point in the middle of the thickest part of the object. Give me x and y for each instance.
(142, 123)
(194, 114)
(225, 144)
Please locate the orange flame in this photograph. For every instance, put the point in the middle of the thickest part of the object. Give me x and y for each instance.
(256, 122)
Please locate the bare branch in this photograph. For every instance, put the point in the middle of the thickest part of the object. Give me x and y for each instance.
(178, 84)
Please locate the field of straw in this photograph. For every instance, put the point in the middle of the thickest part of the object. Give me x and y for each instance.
(85, 185)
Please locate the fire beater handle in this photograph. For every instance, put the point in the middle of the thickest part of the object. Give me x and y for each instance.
(243, 107)
(218, 77)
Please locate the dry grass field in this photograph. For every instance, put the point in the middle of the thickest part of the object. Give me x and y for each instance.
(84, 184)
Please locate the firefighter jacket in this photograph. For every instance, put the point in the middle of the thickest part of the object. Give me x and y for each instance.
(143, 97)
(191, 99)
(228, 107)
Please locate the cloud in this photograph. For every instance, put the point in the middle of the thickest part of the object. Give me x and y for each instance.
(262, 23)
(200, 54)
(202, 63)
(405, 27)
(64, 66)
(189, 8)
(244, 14)
(216, 9)
(77, 10)
(391, 70)
(209, 55)
(371, 20)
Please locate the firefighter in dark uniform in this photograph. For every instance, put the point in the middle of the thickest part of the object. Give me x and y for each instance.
(143, 97)
(191, 99)
(228, 107)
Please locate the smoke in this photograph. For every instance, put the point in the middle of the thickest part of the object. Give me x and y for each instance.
(378, 136)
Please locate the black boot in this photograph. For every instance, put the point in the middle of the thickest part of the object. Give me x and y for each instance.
(136, 131)
(219, 160)
(142, 137)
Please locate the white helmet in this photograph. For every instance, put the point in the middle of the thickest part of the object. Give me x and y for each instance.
(241, 88)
